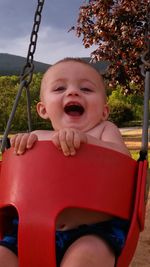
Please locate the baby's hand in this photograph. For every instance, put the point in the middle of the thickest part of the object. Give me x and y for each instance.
(22, 142)
(69, 140)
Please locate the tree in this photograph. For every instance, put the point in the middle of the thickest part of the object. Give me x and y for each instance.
(120, 29)
(8, 90)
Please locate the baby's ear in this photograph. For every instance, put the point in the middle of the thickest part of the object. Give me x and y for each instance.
(106, 111)
(41, 109)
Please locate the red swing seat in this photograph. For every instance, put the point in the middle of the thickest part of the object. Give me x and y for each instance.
(43, 182)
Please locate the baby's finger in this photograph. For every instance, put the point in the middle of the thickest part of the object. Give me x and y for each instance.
(22, 143)
(16, 142)
(63, 144)
(12, 140)
(55, 140)
(76, 140)
(70, 142)
(31, 140)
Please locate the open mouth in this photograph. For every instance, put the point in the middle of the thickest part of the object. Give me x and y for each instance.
(74, 109)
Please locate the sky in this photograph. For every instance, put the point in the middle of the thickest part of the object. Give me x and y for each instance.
(54, 40)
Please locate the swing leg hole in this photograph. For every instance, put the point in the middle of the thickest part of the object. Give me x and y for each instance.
(7, 216)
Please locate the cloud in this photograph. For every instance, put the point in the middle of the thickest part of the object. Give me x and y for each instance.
(16, 16)
(17, 46)
(54, 42)
(60, 13)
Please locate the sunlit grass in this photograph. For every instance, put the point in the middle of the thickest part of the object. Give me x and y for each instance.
(133, 140)
(135, 154)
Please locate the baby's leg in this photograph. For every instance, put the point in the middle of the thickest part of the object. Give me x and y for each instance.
(88, 251)
(7, 258)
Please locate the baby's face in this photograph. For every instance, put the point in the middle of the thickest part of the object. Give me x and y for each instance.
(72, 96)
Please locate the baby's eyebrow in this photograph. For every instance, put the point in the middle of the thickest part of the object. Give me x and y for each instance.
(59, 80)
(63, 80)
(89, 81)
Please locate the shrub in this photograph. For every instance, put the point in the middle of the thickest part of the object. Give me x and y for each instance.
(120, 113)
(125, 108)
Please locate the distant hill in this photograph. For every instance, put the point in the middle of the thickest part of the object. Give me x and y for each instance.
(13, 65)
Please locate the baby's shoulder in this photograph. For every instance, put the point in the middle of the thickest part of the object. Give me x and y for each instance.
(100, 128)
(109, 124)
(104, 125)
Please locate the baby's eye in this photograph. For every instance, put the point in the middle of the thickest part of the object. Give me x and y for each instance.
(59, 89)
(86, 89)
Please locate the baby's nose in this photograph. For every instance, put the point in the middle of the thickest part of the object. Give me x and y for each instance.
(73, 91)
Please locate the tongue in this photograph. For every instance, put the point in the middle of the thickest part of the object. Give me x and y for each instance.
(74, 113)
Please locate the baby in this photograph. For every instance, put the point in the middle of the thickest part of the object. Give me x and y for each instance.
(73, 98)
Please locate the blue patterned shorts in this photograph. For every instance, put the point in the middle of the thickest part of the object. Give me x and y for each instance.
(113, 232)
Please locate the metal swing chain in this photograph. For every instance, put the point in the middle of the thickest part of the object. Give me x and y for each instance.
(26, 74)
(145, 70)
(27, 71)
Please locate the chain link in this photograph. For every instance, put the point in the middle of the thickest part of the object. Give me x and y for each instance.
(26, 74)
(145, 71)
(27, 71)
(145, 58)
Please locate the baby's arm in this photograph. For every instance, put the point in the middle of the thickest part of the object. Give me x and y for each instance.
(106, 135)
(68, 140)
(110, 138)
